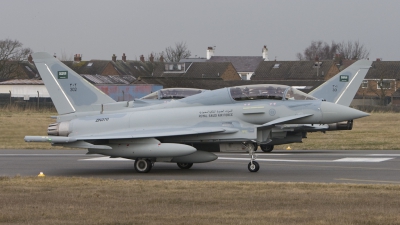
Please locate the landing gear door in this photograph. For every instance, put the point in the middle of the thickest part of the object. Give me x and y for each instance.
(263, 135)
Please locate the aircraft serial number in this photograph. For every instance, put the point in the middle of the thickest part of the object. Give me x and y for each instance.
(102, 120)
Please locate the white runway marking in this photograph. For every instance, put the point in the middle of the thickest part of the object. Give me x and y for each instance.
(298, 160)
(42, 154)
(267, 154)
(274, 160)
(387, 155)
(106, 158)
(362, 159)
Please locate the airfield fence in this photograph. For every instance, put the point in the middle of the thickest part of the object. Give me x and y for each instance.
(21, 104)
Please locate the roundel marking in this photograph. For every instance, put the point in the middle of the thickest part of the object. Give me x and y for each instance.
(272, 112)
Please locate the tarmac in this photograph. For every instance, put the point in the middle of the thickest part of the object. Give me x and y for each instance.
(319, 166)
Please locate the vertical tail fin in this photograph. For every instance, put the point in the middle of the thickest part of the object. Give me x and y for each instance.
(68, 90)
(342, 88)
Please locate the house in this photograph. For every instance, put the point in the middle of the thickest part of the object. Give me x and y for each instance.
(295, 70)
(244, 65)
(381, 84)
(223, 70)
(112, 67)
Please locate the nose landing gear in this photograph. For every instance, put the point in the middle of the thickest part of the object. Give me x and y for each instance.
(251, 148)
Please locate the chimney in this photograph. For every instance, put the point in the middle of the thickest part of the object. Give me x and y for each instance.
(77, 58)
(378, 59)
(114, 58)
(142, 58)
(30, 59)
(161, 58)
(123, 57)
(210, 52)
(265, 53)
(151, 58)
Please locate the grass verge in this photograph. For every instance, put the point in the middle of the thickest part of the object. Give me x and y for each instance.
(56, 200)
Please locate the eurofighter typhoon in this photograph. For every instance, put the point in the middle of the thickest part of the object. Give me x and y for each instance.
(167, 132)
(340, 89)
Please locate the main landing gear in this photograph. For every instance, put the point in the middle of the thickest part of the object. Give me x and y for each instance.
(185, 166)
(267, 148)
(143, 165)
(251, 148)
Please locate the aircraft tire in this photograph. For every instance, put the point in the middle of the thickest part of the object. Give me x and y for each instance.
(267, 148)
(143, 165)
(184, 165)
(253, 168)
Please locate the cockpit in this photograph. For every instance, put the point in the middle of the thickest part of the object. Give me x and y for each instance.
(173, 93)
(268, 91)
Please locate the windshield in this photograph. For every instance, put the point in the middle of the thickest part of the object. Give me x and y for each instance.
(173, 93)
(254, 92)
(268, 91)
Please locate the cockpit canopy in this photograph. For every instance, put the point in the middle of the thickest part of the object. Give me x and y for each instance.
(173, 93)
(268, 91)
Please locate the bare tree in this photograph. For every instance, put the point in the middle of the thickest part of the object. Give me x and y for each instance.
(319, 49)
(174, 54)
(352, 50)
(64, 56)
(11, 55)
(324, 51)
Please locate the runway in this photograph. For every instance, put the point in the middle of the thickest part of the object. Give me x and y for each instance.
(339, 166)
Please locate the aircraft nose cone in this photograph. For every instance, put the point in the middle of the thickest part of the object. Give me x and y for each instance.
(332, 113)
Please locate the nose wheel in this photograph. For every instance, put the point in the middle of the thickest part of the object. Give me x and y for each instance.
(253, 165)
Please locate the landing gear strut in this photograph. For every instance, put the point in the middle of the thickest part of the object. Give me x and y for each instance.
(143, 165)
(185, 165)
(253, 165)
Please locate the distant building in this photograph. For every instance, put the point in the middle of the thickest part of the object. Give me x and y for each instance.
(295, 70)
(223, 70)
(381, 84)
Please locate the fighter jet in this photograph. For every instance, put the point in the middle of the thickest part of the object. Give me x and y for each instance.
(340, 89)
(242, 115)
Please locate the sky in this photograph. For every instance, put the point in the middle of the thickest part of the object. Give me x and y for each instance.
(97, 29)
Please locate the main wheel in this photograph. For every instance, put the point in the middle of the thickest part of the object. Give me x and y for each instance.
(253, 167)
(143, 165)
(267, 148)
(185, 165)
